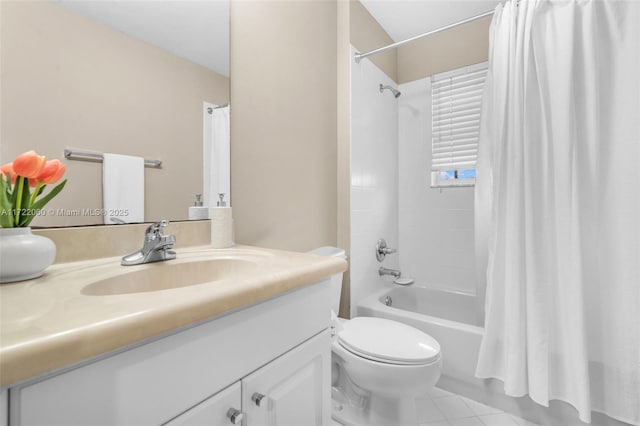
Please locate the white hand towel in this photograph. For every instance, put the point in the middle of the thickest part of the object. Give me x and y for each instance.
(123, 188)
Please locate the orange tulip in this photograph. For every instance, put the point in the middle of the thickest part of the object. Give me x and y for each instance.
(52, 171)
(7, 169)
(28, 164)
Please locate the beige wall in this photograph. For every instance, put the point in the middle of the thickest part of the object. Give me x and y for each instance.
(283, 123)
(464, 45)
(366, 35)
(70, 82)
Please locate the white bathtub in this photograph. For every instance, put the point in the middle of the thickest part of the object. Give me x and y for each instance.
(452, 319)
(447, 316)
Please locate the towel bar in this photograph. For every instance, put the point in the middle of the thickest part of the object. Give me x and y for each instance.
(97, 157)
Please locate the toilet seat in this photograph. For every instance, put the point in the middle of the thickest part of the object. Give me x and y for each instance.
(387, 341)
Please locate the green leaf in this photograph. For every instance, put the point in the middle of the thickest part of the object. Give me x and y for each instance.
(4, 198)
(44, 200)
(25, 205)
(6, 208)
(39, 204)
(11, 192)
(26, 195)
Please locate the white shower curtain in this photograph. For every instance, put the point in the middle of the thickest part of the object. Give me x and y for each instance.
(558, 204)
(217, 157)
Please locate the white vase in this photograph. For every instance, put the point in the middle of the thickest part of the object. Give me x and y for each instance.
(24, 256)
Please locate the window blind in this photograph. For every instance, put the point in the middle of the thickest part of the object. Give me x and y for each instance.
(456, 101)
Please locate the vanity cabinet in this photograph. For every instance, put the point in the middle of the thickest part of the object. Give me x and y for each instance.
(278, 349)
(288, 391)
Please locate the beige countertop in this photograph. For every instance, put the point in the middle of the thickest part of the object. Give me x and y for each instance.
(58, 320)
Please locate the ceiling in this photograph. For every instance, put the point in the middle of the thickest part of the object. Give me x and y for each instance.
(196, 30)
(403, 19)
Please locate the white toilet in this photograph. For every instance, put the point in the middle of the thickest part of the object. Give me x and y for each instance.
(379, 366)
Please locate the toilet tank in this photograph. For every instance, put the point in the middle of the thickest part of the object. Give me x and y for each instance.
(336, 280)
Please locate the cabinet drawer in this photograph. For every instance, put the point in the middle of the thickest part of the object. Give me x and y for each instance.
(154, 382)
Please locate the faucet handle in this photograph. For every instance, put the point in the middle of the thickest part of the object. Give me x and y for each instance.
(156, 228)
(382, 250)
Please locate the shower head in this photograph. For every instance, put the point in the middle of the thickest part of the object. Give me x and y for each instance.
(396, 92)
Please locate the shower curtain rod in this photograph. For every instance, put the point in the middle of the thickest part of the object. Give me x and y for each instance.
(224, 105)
(359, 56)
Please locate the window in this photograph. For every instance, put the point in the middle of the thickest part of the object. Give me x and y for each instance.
(456, 99)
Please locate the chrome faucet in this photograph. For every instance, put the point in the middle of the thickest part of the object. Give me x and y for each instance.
(157, 246)
(393, 272)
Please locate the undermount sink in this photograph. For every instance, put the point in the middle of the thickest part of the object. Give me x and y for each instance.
(170, 275)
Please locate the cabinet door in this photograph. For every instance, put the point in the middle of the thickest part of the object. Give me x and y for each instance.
(292, 390)
(212, 411)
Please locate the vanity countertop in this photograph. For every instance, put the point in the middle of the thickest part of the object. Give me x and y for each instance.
(56, 320)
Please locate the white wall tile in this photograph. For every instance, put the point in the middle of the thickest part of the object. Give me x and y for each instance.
(374, 180)
(435, 226)
(390, 193)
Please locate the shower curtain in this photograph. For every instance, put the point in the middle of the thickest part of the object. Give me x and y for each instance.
(558, 204)
(217, 157)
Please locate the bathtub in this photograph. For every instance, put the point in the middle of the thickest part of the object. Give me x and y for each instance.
(449, 317)
(452, 319)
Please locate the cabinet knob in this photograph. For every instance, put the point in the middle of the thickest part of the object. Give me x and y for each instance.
(235, 416)
(259, 399)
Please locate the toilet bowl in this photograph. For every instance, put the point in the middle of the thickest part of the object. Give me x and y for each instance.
(379, 366)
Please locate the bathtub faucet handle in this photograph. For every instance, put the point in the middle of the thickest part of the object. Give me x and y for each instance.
(382, 250)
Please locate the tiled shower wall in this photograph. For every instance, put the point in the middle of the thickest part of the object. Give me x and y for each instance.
(435, 226)
(374, 177)
(390, 193)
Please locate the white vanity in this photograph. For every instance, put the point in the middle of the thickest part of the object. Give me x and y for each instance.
(251, 347)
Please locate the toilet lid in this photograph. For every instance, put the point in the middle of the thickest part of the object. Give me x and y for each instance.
(388, 341)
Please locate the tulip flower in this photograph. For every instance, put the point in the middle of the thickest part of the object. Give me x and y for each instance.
(18, 204)
(28, 164)
(7, 169)
(52, 172)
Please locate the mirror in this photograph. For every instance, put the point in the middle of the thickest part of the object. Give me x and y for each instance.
(123, 77)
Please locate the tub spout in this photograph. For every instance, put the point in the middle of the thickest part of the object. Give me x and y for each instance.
(393, 272)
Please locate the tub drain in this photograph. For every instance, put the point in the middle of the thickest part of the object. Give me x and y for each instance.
(388, 301)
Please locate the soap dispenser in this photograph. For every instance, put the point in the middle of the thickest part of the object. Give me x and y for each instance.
(221, 224)
(198, 211)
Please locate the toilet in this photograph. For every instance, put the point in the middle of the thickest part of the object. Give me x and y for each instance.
(379, 366)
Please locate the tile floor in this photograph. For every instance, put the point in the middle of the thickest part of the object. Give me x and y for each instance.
(442, 408)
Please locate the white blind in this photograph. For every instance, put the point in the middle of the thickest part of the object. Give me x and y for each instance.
(455, 121)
